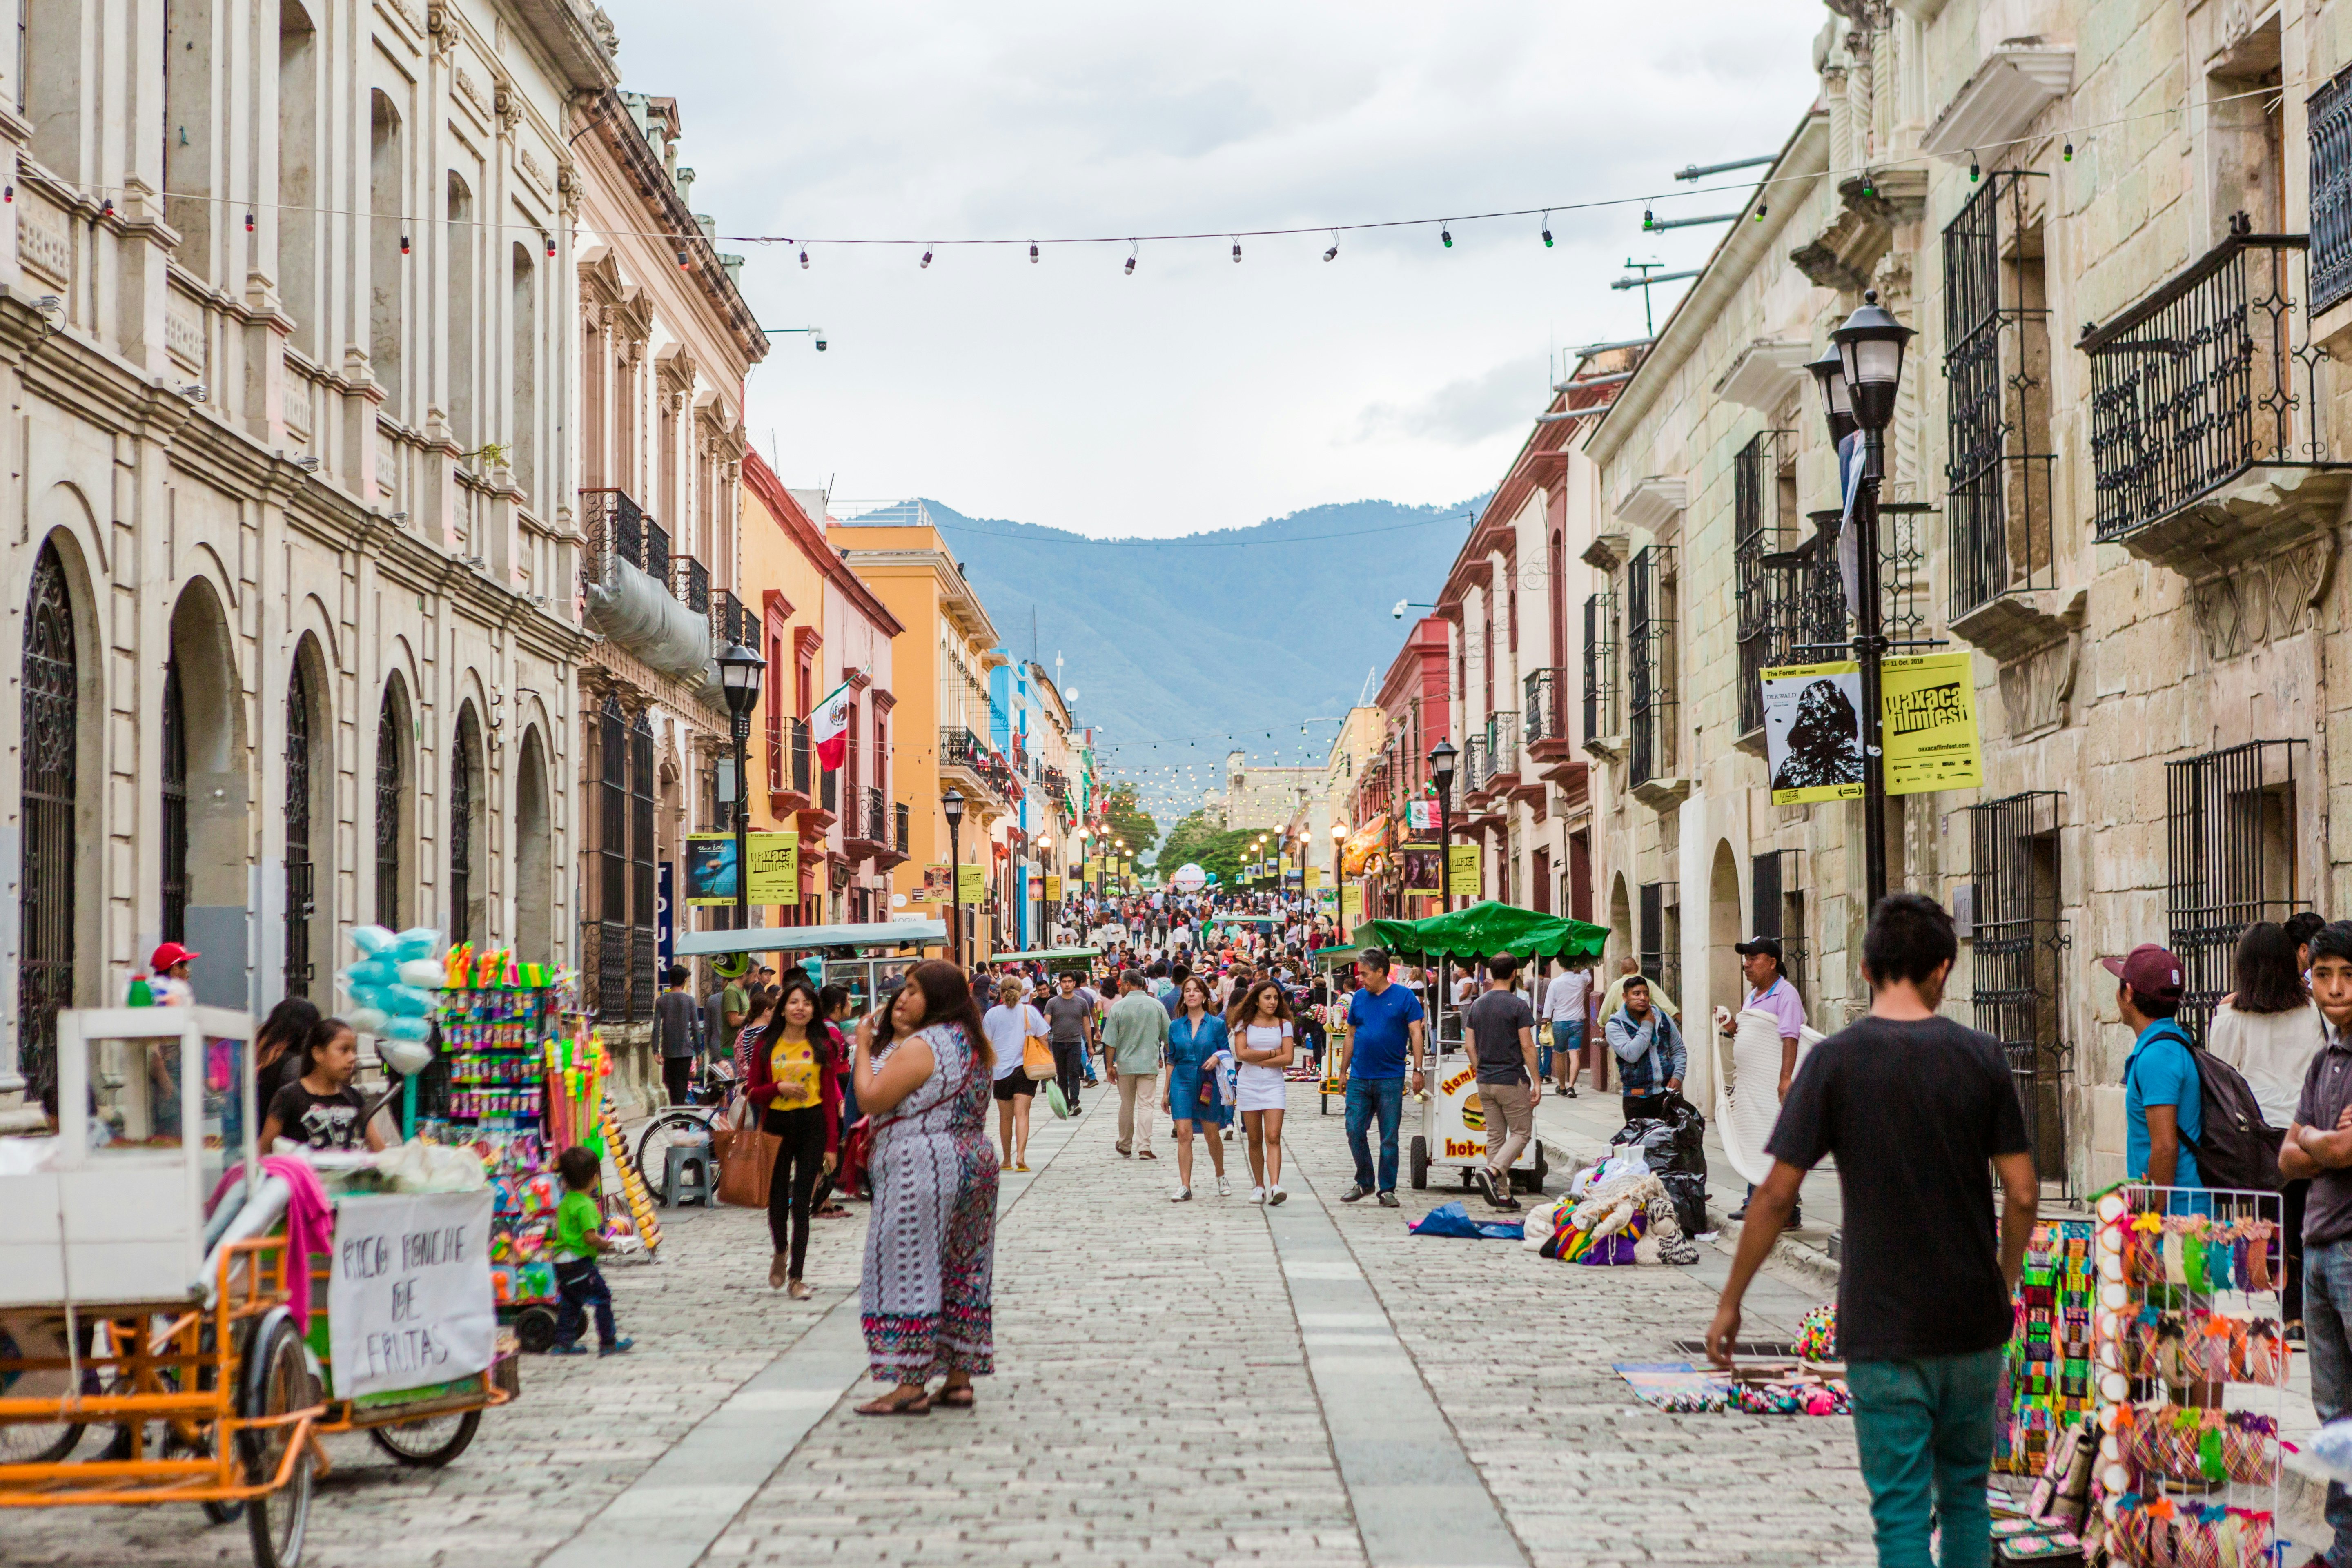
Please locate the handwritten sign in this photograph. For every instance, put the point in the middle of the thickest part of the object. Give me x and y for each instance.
(408, 1302)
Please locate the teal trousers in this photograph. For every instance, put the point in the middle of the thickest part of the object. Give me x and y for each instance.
(1924, 1428)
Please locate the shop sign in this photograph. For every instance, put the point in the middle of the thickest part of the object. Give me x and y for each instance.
(408, 1299)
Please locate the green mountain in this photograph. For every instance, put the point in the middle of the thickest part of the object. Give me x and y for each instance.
(1183, 649)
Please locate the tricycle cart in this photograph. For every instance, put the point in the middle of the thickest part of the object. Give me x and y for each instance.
(1453, 1131)
(119, 1307)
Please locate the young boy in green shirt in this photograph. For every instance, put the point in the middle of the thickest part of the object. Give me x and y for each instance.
(578, 1239)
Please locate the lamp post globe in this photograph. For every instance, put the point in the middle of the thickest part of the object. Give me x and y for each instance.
(1870, 349)
(1837, 403)
(952, 807)
(739, 670)
(739, 675)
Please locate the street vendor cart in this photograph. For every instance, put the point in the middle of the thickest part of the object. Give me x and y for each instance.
(870, 958)
(1329, 960)
(1453, 1128)
(1058, 961)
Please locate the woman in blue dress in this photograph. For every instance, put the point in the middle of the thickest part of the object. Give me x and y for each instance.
(1196, 1038)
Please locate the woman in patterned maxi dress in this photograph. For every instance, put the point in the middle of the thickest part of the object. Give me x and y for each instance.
(930, 1245)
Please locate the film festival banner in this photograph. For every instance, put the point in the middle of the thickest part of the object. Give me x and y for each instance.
(1420, 865)
(1928, 706)
(971, 882)
(710, 868)
(1469, 868)
(1812, 731)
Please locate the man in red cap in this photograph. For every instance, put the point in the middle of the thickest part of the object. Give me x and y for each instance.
(2163, 1096)
(173, 983)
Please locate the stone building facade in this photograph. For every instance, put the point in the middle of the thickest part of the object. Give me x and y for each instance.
(2117, 481)
(283, 296)
(1259, 796)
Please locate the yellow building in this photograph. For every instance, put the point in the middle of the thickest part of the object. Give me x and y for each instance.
(949, 731)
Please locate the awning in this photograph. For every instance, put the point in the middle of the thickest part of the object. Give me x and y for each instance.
(1046, 955)
(800, 938)
(1485, 929)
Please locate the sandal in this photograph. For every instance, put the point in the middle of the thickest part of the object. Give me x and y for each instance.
(832, 1211)
(960, 1397)
(918, 1405)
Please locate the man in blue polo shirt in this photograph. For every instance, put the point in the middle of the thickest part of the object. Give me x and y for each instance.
(2163, 1097)
(1385, 1030)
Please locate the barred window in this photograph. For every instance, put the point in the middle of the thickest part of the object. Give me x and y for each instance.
(2330, 109)
(2019, 943)
(1998, 462)
(1765, 625)
(1660, 937)
(1650, 649)
(2230, 858)
(1600, 665)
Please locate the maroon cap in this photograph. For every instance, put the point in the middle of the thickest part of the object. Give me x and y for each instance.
(2148, 969)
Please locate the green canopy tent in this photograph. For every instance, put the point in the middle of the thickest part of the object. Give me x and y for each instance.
(1483, 930)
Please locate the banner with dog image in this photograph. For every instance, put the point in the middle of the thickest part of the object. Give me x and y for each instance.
(1812, 731)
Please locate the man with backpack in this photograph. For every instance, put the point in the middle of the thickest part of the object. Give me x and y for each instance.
(2164, 1111)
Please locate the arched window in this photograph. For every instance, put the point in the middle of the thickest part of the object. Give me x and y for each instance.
(301, 902)
(466, 922)
(51, 743)
(522, 377)
(457, 330)
(387, 241)
(391, 736)
(534, 842)
(175, 805)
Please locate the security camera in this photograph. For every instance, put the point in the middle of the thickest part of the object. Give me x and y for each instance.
(1398, 611)
(819, 335)
(195, 391)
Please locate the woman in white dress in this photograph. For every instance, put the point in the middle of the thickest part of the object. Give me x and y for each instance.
(2268, 1029)
(1263, 1045)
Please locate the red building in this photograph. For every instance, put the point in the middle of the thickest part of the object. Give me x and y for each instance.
(1414, 697)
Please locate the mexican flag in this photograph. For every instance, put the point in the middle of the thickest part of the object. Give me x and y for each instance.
(830, 729)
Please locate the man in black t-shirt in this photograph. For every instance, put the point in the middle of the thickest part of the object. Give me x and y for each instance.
(1503, 1052)
(1915, 1107)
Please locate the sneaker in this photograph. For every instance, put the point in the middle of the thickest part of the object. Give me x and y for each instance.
(1484, 1180)
(567, 1349)
(1257, 1194)
(1796, 1219)
(1388, 1200)
(1740, 1213)
(619, 1347)
(1355, 1193)
(1180, 1195)
(1145, 1154)
(1224, 1187)
(1568, 1089)
(1275, 1195)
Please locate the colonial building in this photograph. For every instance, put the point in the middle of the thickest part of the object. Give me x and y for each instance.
(664, 339)
(286, 333)
(1252, 796)
(1415, 697)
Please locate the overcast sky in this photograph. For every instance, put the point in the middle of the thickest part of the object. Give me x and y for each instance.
(1195, 393)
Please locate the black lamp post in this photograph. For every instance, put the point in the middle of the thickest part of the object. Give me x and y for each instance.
(738, 674)
(951, 802)
(1858, 384)
(1338, 884)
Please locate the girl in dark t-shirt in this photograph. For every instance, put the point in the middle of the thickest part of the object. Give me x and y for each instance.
(321, 1109)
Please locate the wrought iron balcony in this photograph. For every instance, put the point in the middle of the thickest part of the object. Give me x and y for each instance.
(2206, 441)
(730, 623)
(1545, 714)
(788, 764)
(615, 529)
(899, 836)
(655, 562)
(690, 580)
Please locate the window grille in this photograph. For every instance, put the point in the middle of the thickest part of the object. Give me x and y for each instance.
(175, 805)
(2230, 858)
(1763, 607)
(388, 741)
(1649, 639)
(1600, 665)
(1660, 937)
(461, 831)
(609, 941)
(1998, 470)
(1776, 908)
(300, 875)
(2019, 945)
(641, 870)
(2330, 110)
(51, 715)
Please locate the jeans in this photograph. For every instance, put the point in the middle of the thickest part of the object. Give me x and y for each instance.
(1367, 1097)
(1069, 1062)
(582, 1286)
(1567, 1040)
(1924, 1431)
(2327, 1329)
(676, 1073)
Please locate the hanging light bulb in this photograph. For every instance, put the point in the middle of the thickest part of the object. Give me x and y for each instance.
(1648, 221)
(1237, 251)
(1447, 234)
(248, 222)
(804, 257)
(927, 255)
(684, 263)
(1032, 250)
(551, 247)
(403, 245)
(1333, 253)
(1547, 231)
(1973, 171)
(2068, 156)
(1131, 248)
(1760, 210)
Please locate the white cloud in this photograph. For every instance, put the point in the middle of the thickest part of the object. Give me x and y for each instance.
(1196, 393)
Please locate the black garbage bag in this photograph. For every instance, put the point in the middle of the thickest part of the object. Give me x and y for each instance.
(1633, 1131)
(1689, 1196)
(1688, 1137)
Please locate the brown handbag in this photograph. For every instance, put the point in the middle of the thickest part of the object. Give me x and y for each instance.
(748, 1167)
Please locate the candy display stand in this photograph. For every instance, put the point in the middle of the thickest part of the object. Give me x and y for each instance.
(2189, 1374)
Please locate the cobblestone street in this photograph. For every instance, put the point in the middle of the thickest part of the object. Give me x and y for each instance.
(1210, 1383)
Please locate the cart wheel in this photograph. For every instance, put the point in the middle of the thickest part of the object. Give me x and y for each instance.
(277, 1380)
(201, 1448)
(534, 1329)
(1533, 1181)
(35, 1443)
(1420, 1163)
(429, 1442)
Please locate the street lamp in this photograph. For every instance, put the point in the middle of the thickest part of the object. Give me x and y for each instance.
(739, 675)
(1441, 772)
(1044, 869)
(1869, 373)
(951, 802)
(1338, 884)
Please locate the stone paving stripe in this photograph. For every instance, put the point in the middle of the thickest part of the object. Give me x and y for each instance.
(669, 1516)
(1419, 1501)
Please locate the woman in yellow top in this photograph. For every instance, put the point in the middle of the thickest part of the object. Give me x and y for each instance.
(797, 1086)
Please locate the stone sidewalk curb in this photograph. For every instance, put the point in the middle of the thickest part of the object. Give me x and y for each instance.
(1792, 1257)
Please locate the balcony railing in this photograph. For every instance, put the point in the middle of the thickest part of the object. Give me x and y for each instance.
(959, 748)
(800, 747)
(690, 580)
(1502, 747)
(2201, 381)
(1546, 718)
(655, 561)
(615, 529)
(1477, 761)
(898, 823)
(730, 622)
(878, 816)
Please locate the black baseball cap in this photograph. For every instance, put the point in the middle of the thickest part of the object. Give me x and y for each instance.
(1770, 946)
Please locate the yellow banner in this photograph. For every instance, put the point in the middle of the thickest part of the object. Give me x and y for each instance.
(1468, 869)
(1053, 889)
(972, 883)
(775, 861)
(1421, 867)
(1351, 908)
(1929, 708)
(1314, 877)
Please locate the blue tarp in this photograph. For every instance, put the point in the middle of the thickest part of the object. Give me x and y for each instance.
(1453, 1220)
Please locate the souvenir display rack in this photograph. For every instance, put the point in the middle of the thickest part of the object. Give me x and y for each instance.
(499, 1040)
(2049, 1368)
(2190, 1373)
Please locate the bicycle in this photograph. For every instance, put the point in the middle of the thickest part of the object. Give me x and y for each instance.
(707, 1095)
